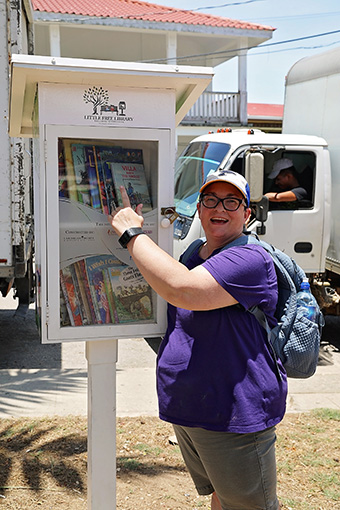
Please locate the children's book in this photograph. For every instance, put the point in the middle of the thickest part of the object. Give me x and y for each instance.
(82, 276)
(101, 182)
(65, 310)
(132, 177)
(110, 298)
(130, 156)
(132, 295)
(81, 176)
(90, 162)
(81, 292)
(62, 177)
(70, 171)
(95, 267)
(105, 155)
(70, 296)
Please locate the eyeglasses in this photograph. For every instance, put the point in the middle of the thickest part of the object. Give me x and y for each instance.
(212, 201)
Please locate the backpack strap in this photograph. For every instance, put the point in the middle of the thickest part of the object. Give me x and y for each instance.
(284, 277)
(262, 320)
(246, 238)
(191, 250)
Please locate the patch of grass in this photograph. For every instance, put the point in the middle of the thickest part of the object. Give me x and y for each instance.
(308, 458)
(326, 414)
(147, 449)
(43, 464)
(130, 464)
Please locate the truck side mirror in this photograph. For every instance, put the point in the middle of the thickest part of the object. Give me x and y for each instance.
(254, 171)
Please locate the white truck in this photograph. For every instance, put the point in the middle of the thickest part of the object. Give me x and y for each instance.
(308, 230)
(16, 200)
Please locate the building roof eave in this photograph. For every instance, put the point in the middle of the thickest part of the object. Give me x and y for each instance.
(63, 19)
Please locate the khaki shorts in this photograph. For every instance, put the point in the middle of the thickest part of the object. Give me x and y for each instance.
(240, 468)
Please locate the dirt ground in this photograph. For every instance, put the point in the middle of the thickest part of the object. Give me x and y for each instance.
(43, 464)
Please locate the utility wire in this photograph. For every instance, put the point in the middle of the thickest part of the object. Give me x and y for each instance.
(294, 17)
(297, 48)
(235, 51)
(225, 5)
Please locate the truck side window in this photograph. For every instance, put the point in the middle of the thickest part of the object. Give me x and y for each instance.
(289, 183)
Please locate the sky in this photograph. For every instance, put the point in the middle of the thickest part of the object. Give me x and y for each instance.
(268, 66)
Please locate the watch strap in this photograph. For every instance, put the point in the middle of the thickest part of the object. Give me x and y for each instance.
(126, 237)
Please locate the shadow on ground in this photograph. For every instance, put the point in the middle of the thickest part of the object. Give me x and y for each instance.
(20, 343)
(29, 453)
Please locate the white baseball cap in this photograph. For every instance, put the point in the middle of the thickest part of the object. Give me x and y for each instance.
(230, 177)
(279, 165)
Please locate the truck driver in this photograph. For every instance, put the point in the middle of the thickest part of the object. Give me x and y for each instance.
(287, 182)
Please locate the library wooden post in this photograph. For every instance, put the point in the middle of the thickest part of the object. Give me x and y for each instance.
(98, 125)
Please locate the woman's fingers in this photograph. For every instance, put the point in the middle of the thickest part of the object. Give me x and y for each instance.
(125, 197)
(139, 209)
(127, 203)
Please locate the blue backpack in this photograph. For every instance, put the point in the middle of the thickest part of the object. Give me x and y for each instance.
(295, 339)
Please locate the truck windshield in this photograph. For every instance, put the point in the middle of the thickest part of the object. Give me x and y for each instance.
(192, 167)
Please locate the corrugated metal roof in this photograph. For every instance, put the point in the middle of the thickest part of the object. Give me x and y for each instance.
(134, 9)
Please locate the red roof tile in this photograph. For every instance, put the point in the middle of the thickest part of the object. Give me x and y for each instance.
(265, 110)
(134, 9)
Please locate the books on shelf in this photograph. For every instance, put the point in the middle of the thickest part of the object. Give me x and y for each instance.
(91, 172)
(102, 290)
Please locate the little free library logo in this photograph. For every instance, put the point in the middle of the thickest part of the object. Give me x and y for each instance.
(102, 108)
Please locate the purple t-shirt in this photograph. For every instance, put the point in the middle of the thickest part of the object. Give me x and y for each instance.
(214, 368)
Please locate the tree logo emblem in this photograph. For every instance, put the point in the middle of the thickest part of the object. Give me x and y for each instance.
(100, 101)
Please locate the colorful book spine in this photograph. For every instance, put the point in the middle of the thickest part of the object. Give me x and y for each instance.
(109, 294)
(83, 298)
(71, 297)
(104, 155)
(62, 177)
(66, 317)
(69, 170)
(92, 177)
(81, 177)
(84, 279)
(98, 286)
(92, 293)
(101, 182)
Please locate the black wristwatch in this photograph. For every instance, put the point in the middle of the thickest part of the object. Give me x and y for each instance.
(128, 235)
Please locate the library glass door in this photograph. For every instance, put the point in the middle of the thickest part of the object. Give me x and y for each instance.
(93, 283)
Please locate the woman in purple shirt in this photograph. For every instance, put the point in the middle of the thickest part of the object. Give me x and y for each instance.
(216, 377)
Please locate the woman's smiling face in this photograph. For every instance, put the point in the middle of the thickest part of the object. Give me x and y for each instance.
(221, 226)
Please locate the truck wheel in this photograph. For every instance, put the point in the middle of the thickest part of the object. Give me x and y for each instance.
(25, 286)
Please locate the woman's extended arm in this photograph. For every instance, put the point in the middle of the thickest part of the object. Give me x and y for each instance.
(196, 289)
